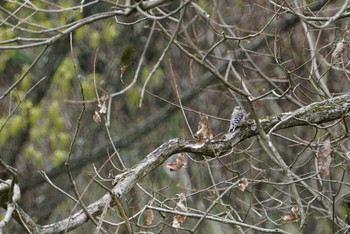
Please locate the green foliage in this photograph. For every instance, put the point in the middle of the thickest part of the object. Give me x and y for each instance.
(10, 6)
(88, 85)
(81, 33)
(53, 121)
(26, 82)
(37, 134)
(49, 132)
(3, 133)
(15, 124)
(34, 114)
(53, 110)
(133, 96)
(98, 37)
(6, 33)
(67, 16)
(95, 39)
(344, 211)
(63, 138)
(65, 3)
(32, 152)
(154, 81)
(43, 19)
(109, 33)
(5, 57)
(18, 120)
(63, 77)
(127, 54)
(58, 157)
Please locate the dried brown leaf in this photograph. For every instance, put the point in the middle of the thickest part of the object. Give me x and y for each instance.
(178, 219)
(96, 117)
(182, 197)
(102, 104)
(104, 98)
(172, 166)
(290, 217)
(293, 216)
(180, 204)
(204, 132)
(103, 108)
(110, 174)
(123, 69)
(180, 162)
(149, 217)
(324, 158)
(176, 224)
(243, 184)
(295, 210)
(339, 50)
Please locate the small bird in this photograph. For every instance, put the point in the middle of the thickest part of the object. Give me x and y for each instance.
(237, 118)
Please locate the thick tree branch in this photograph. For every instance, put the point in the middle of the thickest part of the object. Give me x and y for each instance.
(80, 160)
(315, 113)
(286, 70)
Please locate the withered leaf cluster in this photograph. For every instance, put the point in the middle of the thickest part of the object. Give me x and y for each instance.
(102, 108)
(204, 132)
(324, 158)
(149, 217)
(242, 185)
(292, 216)
(178, 219)
(180, 162)
(339, 50)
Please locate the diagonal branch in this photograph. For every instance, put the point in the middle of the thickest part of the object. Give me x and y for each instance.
(315, 113)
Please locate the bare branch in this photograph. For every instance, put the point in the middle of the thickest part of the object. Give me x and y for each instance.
(335, 108)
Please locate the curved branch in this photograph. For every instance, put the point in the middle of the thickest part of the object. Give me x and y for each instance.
(82, 159)
(80, 23)
(315, 113)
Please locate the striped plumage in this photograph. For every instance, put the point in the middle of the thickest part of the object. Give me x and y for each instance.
(237, 117)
